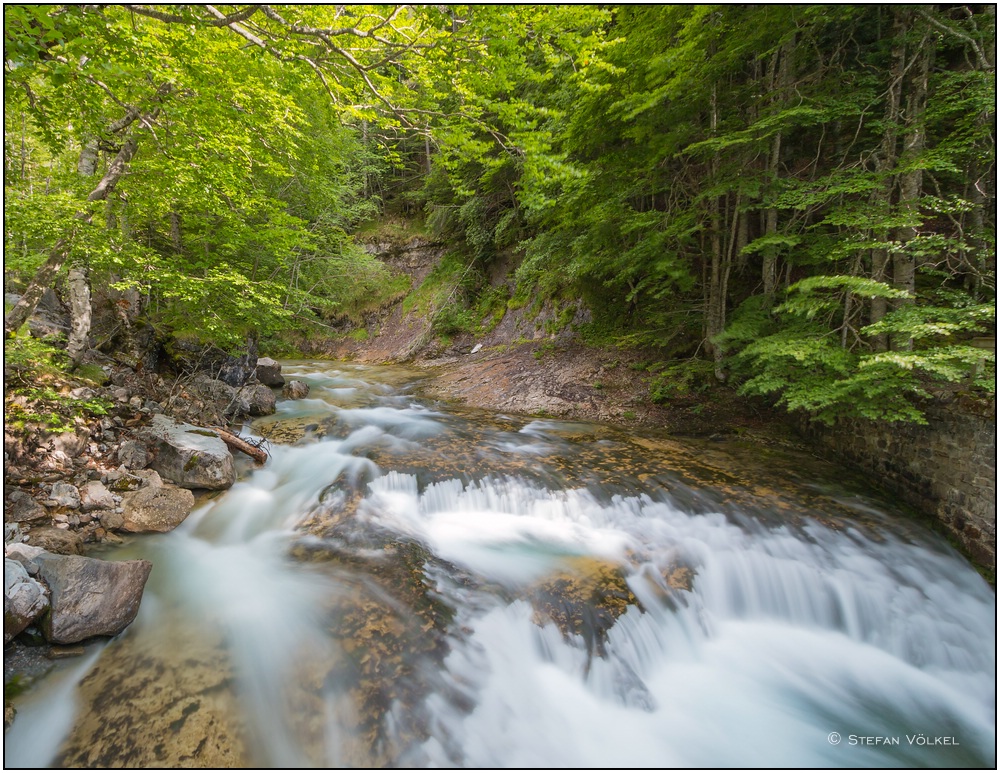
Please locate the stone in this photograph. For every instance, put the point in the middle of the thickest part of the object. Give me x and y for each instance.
(155, 509)
(190, 456)
(24, 508)
(295, 390)
(110, 520)
(215, 390)
(94, 495)
(24, 599)
(268, 372)
(132, 454)
(65, 495)
(148, 478)
(56, 540)
(90, 597)
(25, 555)
(259, 399)
(70, 443)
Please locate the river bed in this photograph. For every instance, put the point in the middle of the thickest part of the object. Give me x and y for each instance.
(408, 583)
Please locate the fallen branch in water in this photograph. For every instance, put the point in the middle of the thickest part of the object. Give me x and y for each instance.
(237, 443)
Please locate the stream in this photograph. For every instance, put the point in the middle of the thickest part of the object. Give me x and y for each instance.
(407, 583)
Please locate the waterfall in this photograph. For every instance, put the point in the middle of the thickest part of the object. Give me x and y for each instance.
(405, 585)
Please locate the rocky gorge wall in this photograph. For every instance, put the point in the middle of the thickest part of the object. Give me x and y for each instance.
(946, 468)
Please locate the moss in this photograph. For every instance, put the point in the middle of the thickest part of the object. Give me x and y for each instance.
(93, 373)
(191, 463)
(584, 600)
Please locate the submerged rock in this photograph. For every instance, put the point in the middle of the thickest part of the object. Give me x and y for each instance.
(585, 600)
(295, 390)
(90, 597)
(190, 456)
(161, 702)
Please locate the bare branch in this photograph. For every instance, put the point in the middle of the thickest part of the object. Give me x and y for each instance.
(169, 18)
(981, 59)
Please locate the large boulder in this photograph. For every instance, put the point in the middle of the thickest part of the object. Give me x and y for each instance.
(295, 390)
(268, 372)
(24, 599)
(156, 509)
(259, 399)
(191, 356)
(90, 597)
(190, 456)
(215, 390)
(50, 317)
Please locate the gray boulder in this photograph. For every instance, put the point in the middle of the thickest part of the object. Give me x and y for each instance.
(65, 495)
(94, 495)
(259, 399)
(24, 599)
(156, 509)
(24, 508)
(132, 454)
(89, 597)
(268, 372)
(295, 390)
(190, 456)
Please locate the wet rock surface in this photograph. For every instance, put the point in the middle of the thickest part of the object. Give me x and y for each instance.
(145, 706)
(295, 390)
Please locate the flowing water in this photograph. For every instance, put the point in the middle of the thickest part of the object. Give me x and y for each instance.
(408, 584)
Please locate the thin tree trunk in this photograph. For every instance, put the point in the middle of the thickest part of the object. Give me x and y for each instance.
(42, 280)
(60, 252)
(886, 162)
(718, 273)
(780, 84)
(910, 183)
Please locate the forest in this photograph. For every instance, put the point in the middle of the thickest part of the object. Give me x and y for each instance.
(799, 200)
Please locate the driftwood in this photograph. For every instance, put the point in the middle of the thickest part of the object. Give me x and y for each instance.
(236, 443)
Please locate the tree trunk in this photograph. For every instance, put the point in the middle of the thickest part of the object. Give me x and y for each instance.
(911, 182)
(87, 165)
(718, 273)
(780, 83)
(886, 162)
(80, 313)
(41, 281)
(59, 253)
